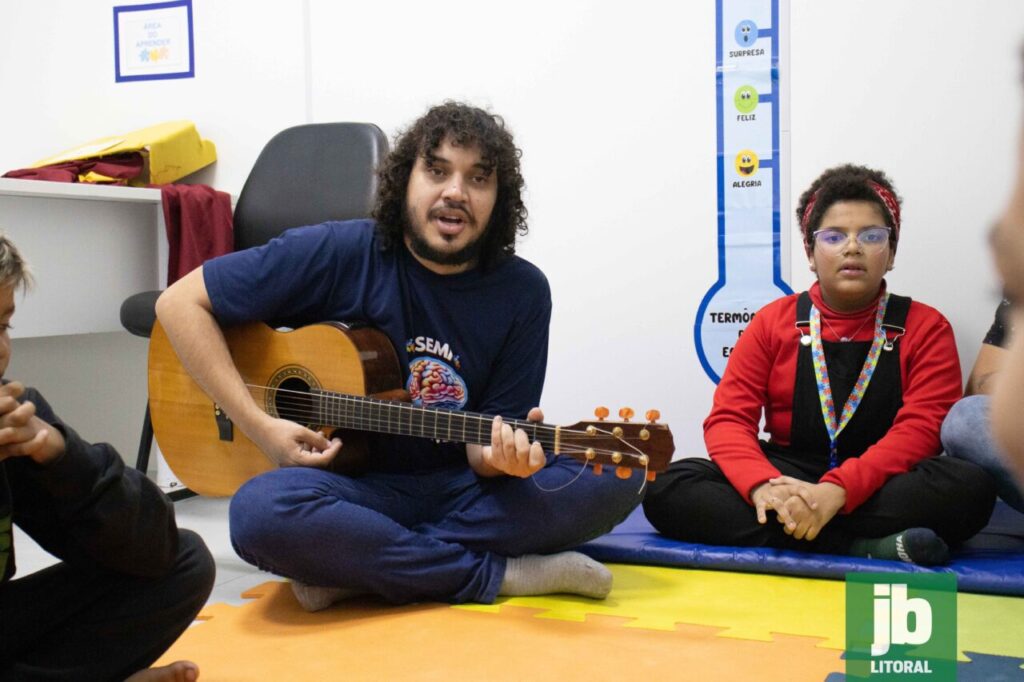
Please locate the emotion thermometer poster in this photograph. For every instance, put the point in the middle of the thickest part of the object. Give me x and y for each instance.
(749, 258)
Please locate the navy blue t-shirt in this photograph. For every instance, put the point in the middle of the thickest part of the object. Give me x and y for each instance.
(481, 336)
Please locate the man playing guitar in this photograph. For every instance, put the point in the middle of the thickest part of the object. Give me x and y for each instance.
(435, 271)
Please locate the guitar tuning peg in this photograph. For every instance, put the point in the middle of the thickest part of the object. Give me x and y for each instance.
(652, 416)
(623, 472)
(601, 413)
(626, 413)
(651, 476)
(598, 469)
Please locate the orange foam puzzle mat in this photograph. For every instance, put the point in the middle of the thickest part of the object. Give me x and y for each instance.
(671, 623)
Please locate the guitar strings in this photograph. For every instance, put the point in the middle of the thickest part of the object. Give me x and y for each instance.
(376, 425)
(296, 413)
(395, 404)
(583, 467)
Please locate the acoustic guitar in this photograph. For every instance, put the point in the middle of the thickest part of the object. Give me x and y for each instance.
(333, 378)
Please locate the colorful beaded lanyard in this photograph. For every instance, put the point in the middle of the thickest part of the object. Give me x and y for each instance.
(828, 409)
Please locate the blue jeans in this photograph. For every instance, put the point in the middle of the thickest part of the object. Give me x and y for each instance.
(967, 434)
(435, 536)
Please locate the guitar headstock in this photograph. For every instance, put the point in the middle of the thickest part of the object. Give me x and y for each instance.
(625, 445)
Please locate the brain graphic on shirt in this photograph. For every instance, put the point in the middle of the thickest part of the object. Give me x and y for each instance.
(433, 383)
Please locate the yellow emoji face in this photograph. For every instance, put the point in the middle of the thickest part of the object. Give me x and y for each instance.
(746, 163)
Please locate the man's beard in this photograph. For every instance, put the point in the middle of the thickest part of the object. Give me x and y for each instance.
(424, 250)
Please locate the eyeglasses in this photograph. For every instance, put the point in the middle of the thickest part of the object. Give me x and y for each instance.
(870, 238)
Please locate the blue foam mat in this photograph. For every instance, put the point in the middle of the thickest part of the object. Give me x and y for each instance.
(992, 562)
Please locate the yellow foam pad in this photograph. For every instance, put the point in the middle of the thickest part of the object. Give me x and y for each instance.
(753, 606)
(742, 605)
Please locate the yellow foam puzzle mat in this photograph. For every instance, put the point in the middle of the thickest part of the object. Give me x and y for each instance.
(674, 623)
(171, 150)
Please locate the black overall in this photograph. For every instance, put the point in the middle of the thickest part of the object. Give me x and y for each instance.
(695, 502)
(809, 442)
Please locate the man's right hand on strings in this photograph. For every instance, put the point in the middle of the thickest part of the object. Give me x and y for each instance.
(289, 444)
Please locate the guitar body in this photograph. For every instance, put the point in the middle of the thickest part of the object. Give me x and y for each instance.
(207, 452)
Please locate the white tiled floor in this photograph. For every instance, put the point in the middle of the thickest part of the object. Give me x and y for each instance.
(207, 516)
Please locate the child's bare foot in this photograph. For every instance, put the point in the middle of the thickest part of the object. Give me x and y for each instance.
(179, 671)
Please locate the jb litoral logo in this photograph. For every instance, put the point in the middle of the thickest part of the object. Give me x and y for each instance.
(901, 626)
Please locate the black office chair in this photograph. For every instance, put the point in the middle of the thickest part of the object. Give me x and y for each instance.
(304, 175)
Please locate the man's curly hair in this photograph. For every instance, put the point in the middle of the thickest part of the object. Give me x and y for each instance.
(464, 126)
(843, 183)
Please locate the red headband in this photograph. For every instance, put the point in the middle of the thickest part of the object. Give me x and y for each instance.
(887, 198)
(807, 211)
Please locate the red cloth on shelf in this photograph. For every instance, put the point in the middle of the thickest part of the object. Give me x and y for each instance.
(198, 217)
(121, 167)
(199, 226)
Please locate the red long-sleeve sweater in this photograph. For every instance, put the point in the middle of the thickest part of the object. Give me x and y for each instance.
(761, 376)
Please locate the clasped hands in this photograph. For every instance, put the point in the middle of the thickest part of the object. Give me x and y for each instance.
(22, 433)
(802, 508)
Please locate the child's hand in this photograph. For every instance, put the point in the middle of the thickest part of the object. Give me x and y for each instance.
(22, 433)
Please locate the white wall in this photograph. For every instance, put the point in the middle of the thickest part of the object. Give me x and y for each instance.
(929, 92)
(58, 88)
(57, 79)
(613, 105)
(95, 382)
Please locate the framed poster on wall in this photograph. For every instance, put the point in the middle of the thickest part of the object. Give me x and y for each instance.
(153, 41)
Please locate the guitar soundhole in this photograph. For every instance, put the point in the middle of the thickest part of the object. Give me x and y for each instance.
(292, 396)
(293, 401)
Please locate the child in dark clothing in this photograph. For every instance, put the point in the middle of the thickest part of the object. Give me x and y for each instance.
(129, 581)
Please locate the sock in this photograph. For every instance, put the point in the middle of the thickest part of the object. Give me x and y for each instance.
(915, 546)
(314, 598)
(565, 572)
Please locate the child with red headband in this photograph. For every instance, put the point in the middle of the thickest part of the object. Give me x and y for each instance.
(853, 383)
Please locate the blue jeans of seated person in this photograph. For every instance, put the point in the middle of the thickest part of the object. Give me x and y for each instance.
(967, 434)
(436, 536)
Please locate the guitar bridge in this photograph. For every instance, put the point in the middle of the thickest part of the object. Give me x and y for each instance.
(225, 429)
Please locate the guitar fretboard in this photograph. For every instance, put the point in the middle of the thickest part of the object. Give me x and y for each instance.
(363, 413)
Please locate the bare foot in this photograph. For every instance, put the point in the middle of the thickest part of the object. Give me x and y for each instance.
(179, 671)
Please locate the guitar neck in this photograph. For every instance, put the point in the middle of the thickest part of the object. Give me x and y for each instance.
(362, 413)
(284, 372)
